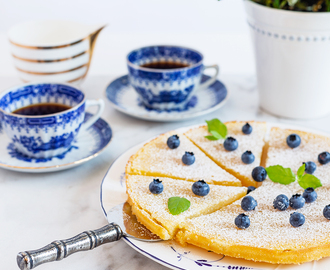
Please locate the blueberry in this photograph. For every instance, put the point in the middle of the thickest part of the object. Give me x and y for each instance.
(156, 186)
(200, 188)
(230, 144)
(310, 167)
(188, 158)
(297, 219)
(281, 202)
(247, 157)
(297, 201)
(259, 174)
(293, 140)
(242, 221)
(248, 203)
(324, 158)
(173, 141)
(310, 195)
(247, 129)
(326, 212)
(250, 189)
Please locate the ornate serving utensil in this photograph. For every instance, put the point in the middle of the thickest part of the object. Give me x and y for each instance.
(122, 223)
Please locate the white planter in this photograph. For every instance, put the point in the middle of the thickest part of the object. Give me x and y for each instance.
(292, 52)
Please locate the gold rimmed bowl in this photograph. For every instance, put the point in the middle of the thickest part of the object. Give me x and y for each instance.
(53, 50)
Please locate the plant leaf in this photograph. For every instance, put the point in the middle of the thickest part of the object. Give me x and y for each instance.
(216, 128)
(309, 180)
(301, 170)
(281, 175)
(211, 138)
(177, 205)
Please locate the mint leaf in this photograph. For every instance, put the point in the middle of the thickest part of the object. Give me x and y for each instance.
(281, 175)
(177, 205)
(301, 171)
(217, 129)
(211, 138)
(309, 180)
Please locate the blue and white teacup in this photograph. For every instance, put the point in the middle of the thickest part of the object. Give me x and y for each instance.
(167, 89)
(45, 136)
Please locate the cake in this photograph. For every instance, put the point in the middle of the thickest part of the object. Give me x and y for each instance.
(156, 159)
(152, 211)
(231, 160)
(210, 225)
(270, 237)
(309, 149)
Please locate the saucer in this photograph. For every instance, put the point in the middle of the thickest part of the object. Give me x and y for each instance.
(125, 99)
(89, 144)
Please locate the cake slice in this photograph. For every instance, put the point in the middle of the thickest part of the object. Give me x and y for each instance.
(156, 159)
(270, 237)
(279, 153)
(231, 160)
(152, 210)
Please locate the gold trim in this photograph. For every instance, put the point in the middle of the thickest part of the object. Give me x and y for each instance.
(48, 47)
(49, 61)
(51, 73)
(77, 79)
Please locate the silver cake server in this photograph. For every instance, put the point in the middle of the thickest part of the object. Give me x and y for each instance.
(121, 223)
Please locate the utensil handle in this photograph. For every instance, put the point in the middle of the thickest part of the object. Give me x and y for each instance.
(58, 250)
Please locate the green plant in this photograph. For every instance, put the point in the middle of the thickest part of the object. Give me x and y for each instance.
(297, 5)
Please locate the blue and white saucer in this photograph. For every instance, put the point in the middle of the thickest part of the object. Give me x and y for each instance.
(88, 145)
(125, 99)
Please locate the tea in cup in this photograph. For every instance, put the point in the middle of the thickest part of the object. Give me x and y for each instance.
(166, 77)
(43, 119)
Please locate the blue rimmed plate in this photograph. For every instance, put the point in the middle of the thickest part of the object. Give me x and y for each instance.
(125, 99)
(171, 254)
(89, 144)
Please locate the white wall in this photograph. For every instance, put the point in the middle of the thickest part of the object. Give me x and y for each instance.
(217, 28)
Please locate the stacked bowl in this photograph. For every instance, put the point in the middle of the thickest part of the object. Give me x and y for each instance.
(53, 50)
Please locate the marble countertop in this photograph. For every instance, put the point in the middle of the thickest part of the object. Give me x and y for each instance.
(36, 209)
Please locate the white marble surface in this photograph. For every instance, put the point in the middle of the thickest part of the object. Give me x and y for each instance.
(36, 209)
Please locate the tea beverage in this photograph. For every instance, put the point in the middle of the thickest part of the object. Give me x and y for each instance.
(165, 65)
(42, 109)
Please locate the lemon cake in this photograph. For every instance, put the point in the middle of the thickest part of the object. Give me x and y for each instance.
(231, 160)
(156, 159)
(152, 210)
(270, 237)
(279, 153)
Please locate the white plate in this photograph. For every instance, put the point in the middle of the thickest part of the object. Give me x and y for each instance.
(89, 144)
(124, 98)
(171, 254)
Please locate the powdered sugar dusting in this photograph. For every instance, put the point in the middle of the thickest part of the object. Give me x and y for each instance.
(279, 153)
(156, 205)
(232, 159)
(270, 228)
(157, 158)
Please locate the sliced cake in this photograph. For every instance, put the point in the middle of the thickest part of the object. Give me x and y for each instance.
(231, 161)
(270, 236)
(152, 209)
(311, 145)
(157, 159)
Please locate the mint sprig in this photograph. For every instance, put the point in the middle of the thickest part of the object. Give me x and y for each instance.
(177, 205)
(217, 129)
(285, 176)
(281, 175)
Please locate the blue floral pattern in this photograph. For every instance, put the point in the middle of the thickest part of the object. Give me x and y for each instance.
(44, 135)
(168, 88)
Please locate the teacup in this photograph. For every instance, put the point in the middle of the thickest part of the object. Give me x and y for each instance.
(166, 77)
(46, 135)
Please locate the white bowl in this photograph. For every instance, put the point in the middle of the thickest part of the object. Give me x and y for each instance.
(52, 50)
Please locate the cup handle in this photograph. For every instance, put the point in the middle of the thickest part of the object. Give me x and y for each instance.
(212, 79)
(93, 119)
